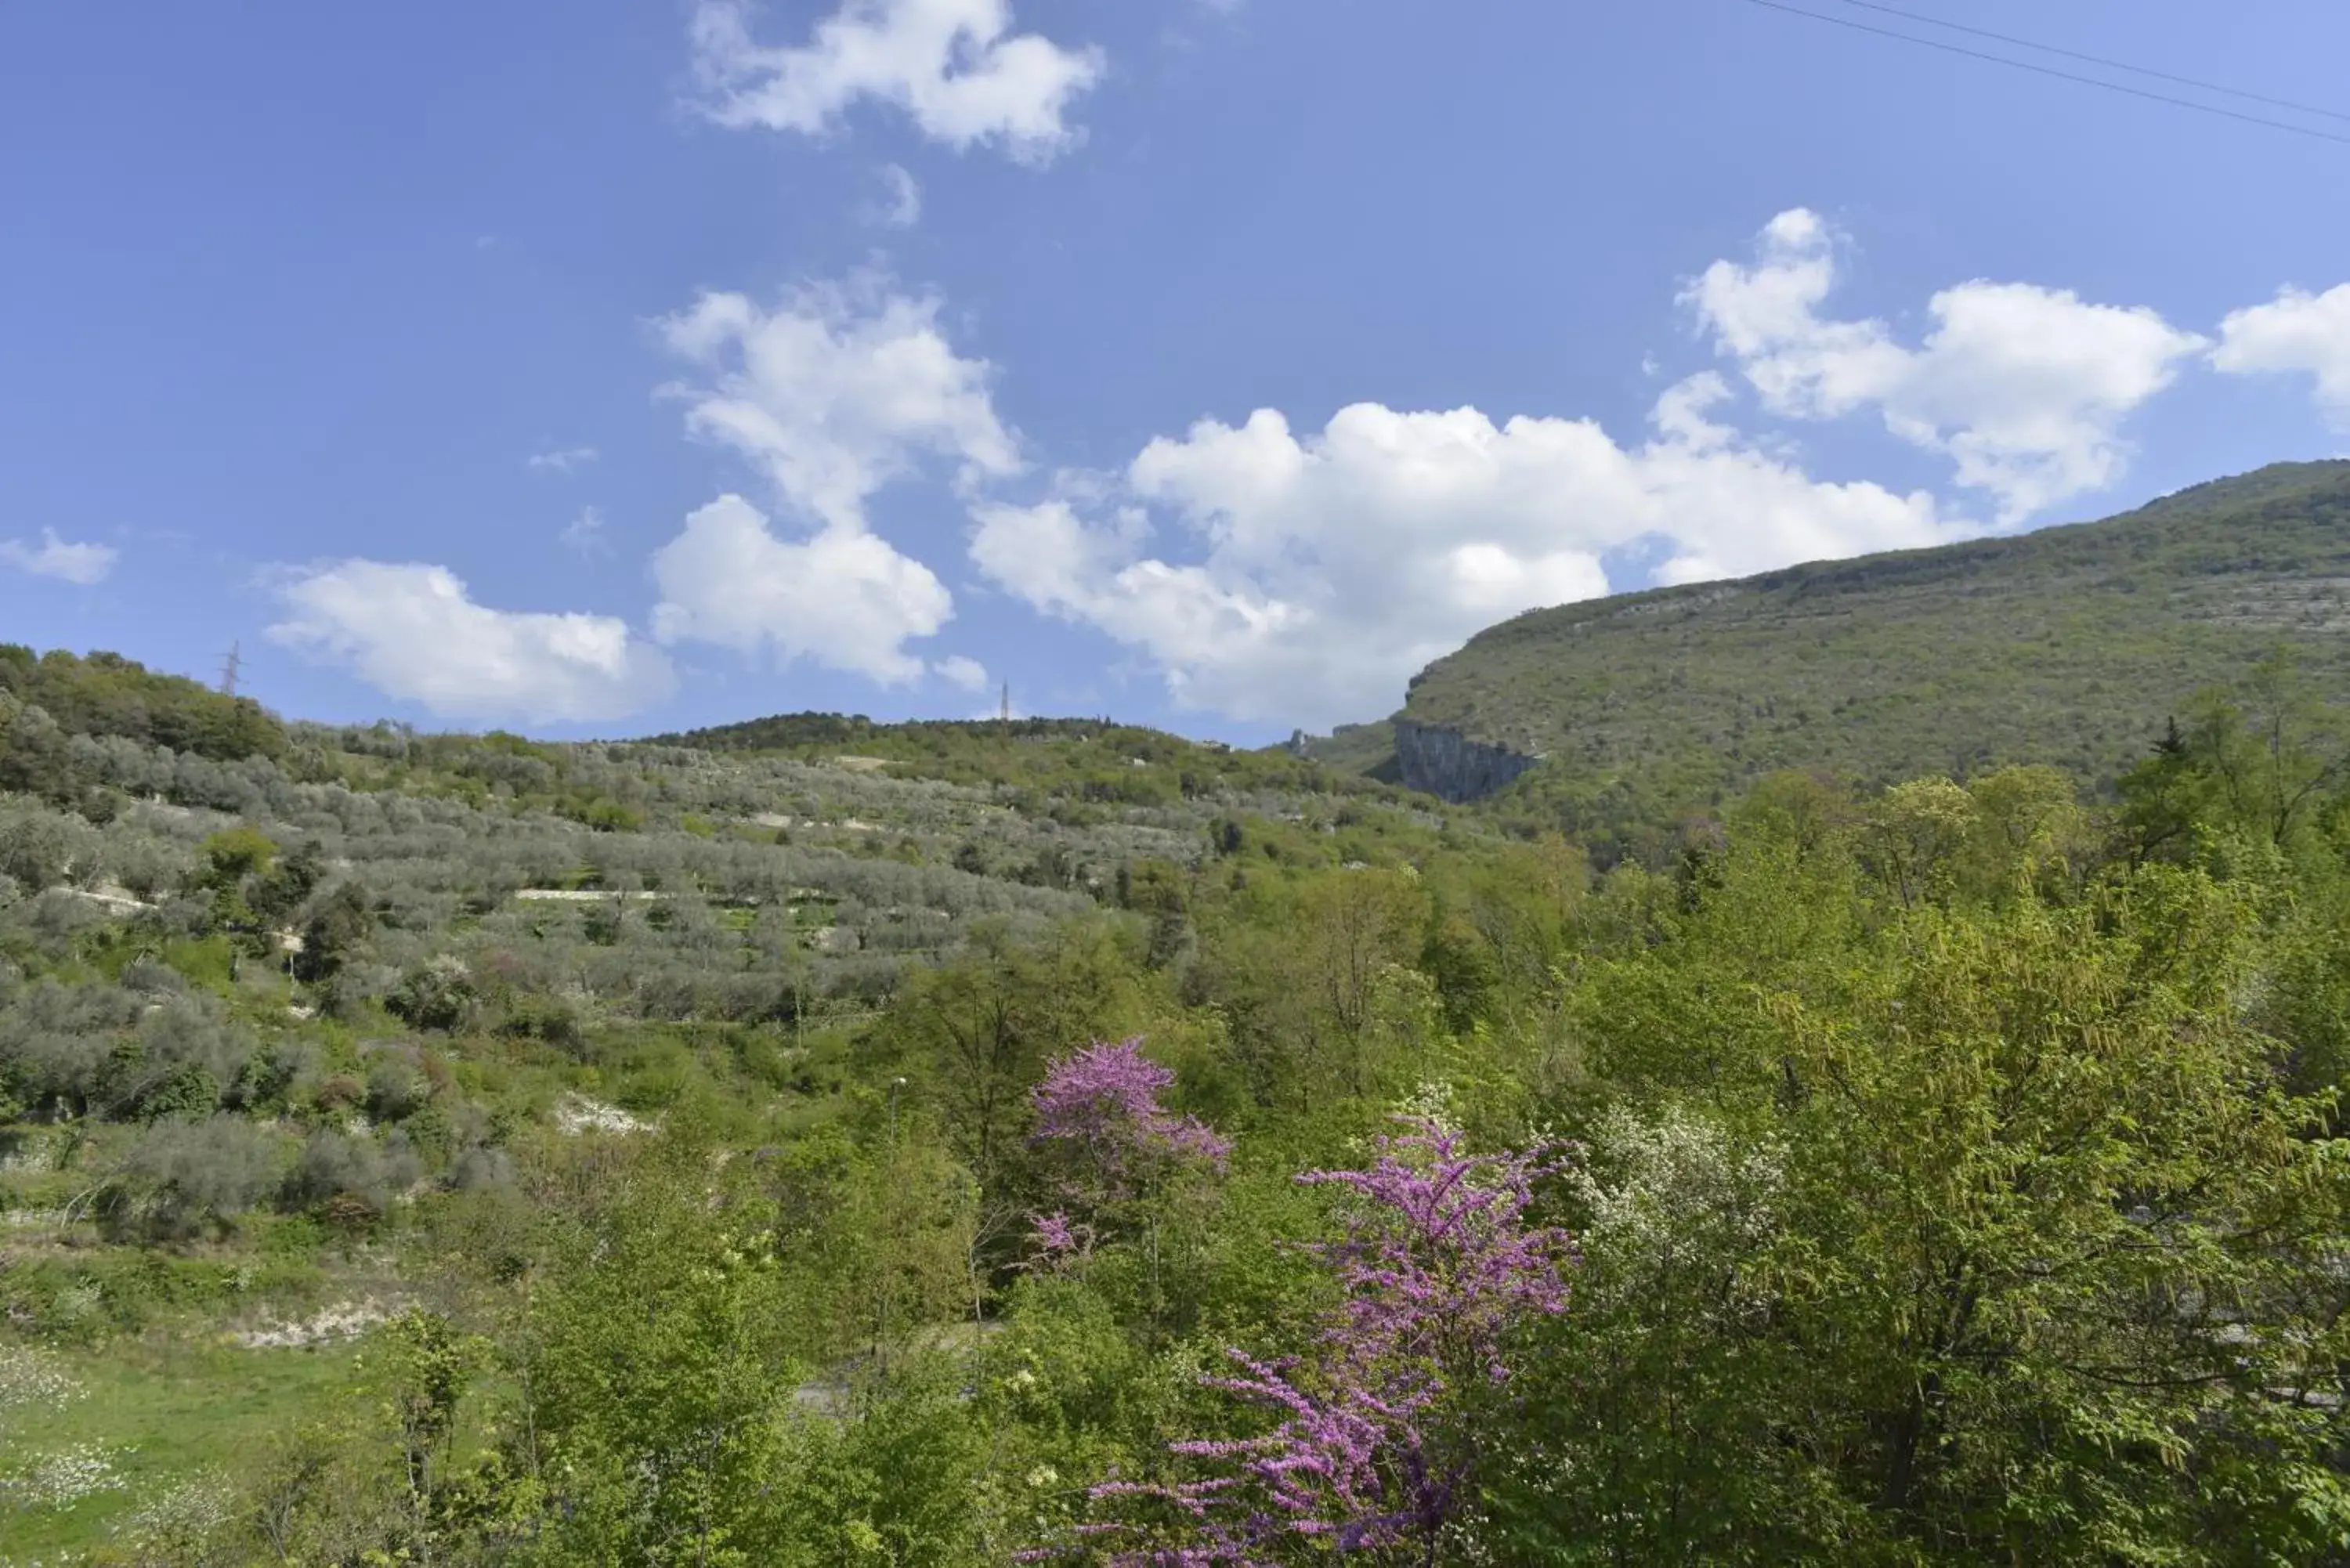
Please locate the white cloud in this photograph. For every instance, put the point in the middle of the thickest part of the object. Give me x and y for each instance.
(585, 533)
(956, 66)
(2296, 331)
(1328, 569)
(904, 209)
(958, 670)
(563, 460)
(2025, 389)
(831, 396)
(843, 598)
(837, 391)
(414, 633)
(81, 565)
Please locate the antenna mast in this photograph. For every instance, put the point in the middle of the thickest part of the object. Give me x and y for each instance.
(1006, 711)
(232, 663)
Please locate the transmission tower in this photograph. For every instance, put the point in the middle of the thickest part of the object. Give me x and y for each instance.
(232, 663)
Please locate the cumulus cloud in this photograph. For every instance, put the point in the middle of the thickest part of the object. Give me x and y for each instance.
(1323, 570)
(830, 396)
(562, 460)
(836, 393)
(80, 565)
(956, 670)
(2295, 332)
(843, 598)
(414, 633)
(2024, 388)
(955, 67)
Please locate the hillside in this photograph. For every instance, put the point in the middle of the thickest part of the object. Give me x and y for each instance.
(817, 1141)
(1093, 759)
(273, 994)
(2070, 646)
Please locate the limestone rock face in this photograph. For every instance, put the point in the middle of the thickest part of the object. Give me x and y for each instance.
(1451, 766)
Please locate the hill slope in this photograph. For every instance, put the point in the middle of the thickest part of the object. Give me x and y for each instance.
(2069, 646)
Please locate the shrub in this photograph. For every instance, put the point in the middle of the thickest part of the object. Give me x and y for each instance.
(340, 1165)
(437, 995)
(182, 1178)
(267, 1074)
(394, 1090)
(333, 931)
(547, 1019)
(481, 1168)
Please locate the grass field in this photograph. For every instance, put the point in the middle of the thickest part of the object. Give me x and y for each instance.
(99, 1448)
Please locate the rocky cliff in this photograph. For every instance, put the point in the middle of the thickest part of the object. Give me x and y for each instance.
(1448, 764)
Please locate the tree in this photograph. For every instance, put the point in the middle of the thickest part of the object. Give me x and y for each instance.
(2049, 1282)
(653, 1383)
(981, 1032)
(1121, 1159)
(1915, 835)
(1375, 1445)
(2260, 760)
(336, 929)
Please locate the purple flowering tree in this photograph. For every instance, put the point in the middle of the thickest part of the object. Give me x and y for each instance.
(1373, 1447)
(1112, 1152)
(1103, 1102)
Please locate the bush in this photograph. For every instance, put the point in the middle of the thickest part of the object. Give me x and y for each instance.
(267, 1074)
(395, 1091)
(333, 931)
(179, 1179)
(436, 995)
(481, 1169)
(339, 1166)
(187, 1092)
(547, 1019)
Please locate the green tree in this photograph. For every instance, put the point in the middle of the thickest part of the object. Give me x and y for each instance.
(335, 931)
(2046, 1278)
(978, 1033)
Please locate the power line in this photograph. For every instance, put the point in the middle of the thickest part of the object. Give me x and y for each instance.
(2100, 60)
(2309, 131)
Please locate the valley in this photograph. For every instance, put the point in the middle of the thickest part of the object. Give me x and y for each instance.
(1871, 1080)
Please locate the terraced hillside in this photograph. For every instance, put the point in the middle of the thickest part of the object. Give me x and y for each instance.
(280, 999)
(2070, 646)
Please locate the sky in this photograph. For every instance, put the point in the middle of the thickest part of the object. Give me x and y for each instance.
(615, 366)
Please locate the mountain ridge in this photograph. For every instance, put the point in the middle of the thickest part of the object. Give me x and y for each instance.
(2069, 645)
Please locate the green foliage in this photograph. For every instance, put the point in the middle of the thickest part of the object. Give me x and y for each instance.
(104, 694)
(436, 995)
(2066, 647)
(1081, 760)
(2001, 1207)
(334, 932)
(1959, 1182)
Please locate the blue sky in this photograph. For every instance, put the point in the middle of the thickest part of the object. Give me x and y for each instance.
(623, 365)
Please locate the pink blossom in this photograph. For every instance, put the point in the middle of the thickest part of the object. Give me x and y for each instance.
(1100, 1107)
(1368, 1451)
(1105, 1098)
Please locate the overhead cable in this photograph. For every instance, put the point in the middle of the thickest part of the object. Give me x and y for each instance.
(1859, 27)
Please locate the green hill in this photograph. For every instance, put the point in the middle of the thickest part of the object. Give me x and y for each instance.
(1097, 760)
(2069, 646)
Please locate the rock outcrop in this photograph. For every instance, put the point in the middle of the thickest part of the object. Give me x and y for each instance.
(1448, 765)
